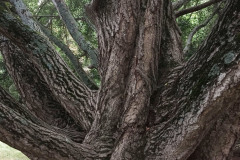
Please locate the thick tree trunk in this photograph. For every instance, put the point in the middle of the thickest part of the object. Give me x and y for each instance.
(150, 104)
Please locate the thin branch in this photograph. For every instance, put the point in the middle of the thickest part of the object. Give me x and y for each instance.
(52, 16)
(42, 5)
(179, 4)
(196, 8)
(72, 27)
(197, 28)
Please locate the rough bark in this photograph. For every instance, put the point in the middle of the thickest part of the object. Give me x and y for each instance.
(35, 92)
(74, 96)
(26, 17)
(150, 105)
(22, 130)
(129, 54)
(77, 65)
(189, 104)
(220, 141)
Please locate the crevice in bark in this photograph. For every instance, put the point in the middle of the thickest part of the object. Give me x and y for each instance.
(35, 92)
(74, 96)
(186, 116)
(22, 130)
(77, 65)
(220, 141)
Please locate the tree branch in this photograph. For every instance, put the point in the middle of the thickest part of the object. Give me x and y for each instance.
(79, 103)
(72, 27)
(43, 3)
(35, 92)
(220, 141)
(25, 132)
(190, 104)
(196, 8)
(195, 30)
(26, 17)
(76, 64)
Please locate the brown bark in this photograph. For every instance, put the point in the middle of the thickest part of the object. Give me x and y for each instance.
(22, 130)
(75, 61)
(35, 92)
(150, 104)
(189, 104)
(74, 96)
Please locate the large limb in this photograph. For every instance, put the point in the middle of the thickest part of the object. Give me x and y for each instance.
(25, 132)
(72, 27)
(221, 140)
(127, 83)
(191, 104)
(77, 65)
(74, 96)
(26, 17)
(35, 92)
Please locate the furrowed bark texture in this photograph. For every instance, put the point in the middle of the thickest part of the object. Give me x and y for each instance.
(129, 36)
(35, 92)
(150, 105)
(74, 96)
(26, 18)
(23, 131)
(221, 139)
(77, 65)
(190, 105)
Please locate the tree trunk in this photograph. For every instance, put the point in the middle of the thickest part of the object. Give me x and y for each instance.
(150, 104)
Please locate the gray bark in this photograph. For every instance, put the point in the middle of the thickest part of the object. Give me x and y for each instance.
(35, 92)
(72, 26)
(25, 132)
(77, 65)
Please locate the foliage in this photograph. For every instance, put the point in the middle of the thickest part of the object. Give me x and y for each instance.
(6, 81)
(189, 21)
